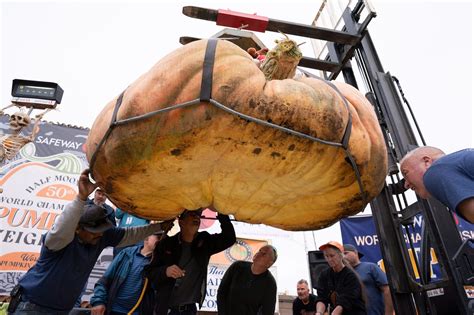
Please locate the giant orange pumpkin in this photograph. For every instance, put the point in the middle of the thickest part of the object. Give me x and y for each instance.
(202, 156)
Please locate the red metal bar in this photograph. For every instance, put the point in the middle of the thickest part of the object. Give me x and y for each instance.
(234, 19)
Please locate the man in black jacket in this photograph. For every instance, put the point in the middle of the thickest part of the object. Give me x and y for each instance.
(305, 303)
(178, 269)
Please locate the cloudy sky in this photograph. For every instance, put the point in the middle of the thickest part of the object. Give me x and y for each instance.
(94, 49)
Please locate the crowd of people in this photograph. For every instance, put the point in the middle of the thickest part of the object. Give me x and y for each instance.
(150, 273)
(156, 274)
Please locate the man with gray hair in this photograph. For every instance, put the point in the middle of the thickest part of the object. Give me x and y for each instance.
(305, 303)
(248, 287)
(448, 178)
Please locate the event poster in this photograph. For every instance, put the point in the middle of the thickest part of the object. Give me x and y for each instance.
(42, 179)
(360, 231)
(37, 184)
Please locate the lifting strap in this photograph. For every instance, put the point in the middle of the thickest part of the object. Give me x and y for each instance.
(206, 96)
(208, 70)
(118, 103)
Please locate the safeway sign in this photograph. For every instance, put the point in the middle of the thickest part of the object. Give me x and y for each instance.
(37, 184)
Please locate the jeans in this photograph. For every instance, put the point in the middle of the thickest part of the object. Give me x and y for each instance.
(27, 308)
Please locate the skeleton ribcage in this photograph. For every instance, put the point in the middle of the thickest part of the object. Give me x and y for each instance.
(12, 144)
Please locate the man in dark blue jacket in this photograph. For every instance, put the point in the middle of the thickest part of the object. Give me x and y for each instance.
(179, 266)
(68, 254)
(120, 288)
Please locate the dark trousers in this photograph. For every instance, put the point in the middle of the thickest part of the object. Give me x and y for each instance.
(27, 308)
(189, 309)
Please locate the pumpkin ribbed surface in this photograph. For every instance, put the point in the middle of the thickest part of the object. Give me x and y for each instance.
(200, 155)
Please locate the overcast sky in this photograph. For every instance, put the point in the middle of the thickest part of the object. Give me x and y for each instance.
(95, 49)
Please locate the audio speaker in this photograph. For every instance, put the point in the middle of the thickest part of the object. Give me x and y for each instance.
(317, 264)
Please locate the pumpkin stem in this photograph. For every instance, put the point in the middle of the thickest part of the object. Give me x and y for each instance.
(281, 62)
(286, 36)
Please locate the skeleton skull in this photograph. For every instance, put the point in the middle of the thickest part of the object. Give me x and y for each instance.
(19, 120)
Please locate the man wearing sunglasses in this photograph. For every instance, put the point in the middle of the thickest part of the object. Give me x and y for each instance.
(68, 254)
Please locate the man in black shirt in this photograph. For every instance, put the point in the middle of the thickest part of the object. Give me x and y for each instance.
(305, 303)
(178, 269)
(249, 288)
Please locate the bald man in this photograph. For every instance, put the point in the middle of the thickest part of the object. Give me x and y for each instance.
(448, 178)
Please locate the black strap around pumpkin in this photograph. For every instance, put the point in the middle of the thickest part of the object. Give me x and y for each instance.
(118, 103)
(206, 96)
(347, 133)
(207, 70)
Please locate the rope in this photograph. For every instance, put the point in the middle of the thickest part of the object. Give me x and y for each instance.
(140, 298)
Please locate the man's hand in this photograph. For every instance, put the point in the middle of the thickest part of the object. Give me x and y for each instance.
(98, 310)
(86, 187)
(466, 209)
(167, 225)
(338, 310)
(211, 207)
(174, 272)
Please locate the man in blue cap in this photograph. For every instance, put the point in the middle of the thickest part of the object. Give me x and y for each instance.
(68, 254)
(375, 282)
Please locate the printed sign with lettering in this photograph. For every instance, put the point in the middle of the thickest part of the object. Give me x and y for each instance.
(37, 184)
(360, 232)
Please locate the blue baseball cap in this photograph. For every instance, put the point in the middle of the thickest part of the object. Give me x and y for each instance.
(352, 248)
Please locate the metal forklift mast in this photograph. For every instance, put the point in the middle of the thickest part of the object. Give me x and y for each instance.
(392, 213)
(447, 296)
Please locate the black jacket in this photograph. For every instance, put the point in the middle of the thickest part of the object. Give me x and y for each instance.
(168, 252)
(341, 288)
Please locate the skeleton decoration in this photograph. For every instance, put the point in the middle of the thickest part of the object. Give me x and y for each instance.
(11, 143)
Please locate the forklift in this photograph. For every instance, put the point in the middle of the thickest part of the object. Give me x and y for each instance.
(393, 216)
